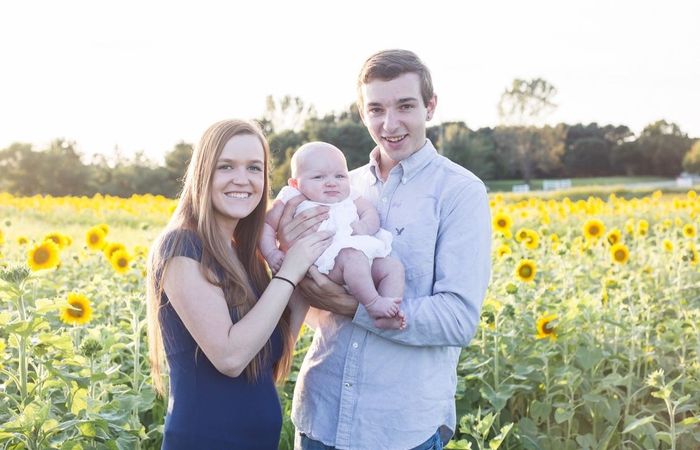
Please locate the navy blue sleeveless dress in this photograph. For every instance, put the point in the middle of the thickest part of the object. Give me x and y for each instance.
(207, 409)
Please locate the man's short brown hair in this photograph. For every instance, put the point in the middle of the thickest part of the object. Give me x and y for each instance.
(387, 65)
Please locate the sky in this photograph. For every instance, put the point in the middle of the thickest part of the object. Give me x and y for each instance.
(145, 75)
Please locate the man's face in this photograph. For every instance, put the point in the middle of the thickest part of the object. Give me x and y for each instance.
(395, 116)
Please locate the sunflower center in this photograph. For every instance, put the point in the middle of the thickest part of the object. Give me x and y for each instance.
(502, 223)
(94, 239)
(594, 230)
(547, 328)
(620, 255)
(122, 262)
(76, 310)
(525, 271)
(41, 256)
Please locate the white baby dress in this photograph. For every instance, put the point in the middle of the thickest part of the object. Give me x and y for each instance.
(340, 216)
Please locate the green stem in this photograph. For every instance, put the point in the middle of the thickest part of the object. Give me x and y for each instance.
(92, 382)
(672, 420)
(22, 352)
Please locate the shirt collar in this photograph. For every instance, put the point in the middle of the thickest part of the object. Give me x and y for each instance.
(410, 166)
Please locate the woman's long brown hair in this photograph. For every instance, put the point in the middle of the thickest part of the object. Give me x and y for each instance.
(195, 212)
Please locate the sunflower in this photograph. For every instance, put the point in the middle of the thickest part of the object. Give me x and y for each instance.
(95, 238)
(526, 270)
(642, 227)
(689, 230)
(692, 195)
(120, 261)
(593, 229)
(104, 227)
(554, 239)
(532, 241)
(22, 240)
(77, 311)
(668, 245)
(521, 235)
(44, 256)
(503, 250)
(2, 237)
(547, 327)
(619, 253)
(502, 223)
(110, 248)
(57, 238)
(614, 236)
(140, 251)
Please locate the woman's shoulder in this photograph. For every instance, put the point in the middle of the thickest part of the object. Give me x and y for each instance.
(181, 242)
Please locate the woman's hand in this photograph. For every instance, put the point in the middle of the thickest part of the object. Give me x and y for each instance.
(303, 253)
(292, 228)
(322, 293)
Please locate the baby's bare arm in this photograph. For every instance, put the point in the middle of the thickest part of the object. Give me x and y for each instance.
(268, 239)
(369, 217)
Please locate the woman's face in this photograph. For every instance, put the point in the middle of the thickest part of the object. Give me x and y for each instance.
(239, 179)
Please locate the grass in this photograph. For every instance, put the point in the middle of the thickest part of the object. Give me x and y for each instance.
(536, 184)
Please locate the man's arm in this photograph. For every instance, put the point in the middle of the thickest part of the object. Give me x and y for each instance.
(450, 316)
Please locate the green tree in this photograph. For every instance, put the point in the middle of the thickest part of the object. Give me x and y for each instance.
(57, 170)
(663, 145)
(691, 160)
(286, 113)
(589, 149)
(522, 105)
(475, 151)
(176, 162)
(526, 102)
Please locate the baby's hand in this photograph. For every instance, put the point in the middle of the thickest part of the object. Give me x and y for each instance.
(274, 260)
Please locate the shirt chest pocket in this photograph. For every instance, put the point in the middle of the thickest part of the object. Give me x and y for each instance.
(415, 236)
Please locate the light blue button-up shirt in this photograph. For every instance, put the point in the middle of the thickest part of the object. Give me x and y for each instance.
(364, 388)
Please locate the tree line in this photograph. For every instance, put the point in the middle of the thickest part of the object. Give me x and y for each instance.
(509, 151)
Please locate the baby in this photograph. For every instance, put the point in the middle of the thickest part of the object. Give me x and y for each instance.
(358, 256)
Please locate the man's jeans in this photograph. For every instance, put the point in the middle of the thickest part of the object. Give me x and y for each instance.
(305, 443)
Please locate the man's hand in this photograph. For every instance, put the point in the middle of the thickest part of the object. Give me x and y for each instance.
(324, 294)
(292, 228)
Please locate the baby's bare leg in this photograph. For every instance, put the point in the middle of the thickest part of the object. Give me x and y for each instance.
(388, 275)
(352, 268)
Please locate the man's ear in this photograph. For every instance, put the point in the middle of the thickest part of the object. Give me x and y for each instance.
(293, 183)
(432, 104)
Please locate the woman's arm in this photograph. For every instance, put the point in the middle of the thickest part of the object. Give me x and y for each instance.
(202, 307)
(292, 228)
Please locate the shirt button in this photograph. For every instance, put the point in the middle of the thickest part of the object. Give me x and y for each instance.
(354, 345)
(347, 385)
(403, 180)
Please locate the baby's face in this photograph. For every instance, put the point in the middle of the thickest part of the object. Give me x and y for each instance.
(324, 178)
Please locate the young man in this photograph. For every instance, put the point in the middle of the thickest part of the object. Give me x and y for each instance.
(361, 387)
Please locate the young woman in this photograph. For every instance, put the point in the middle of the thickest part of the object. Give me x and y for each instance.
(226, 329)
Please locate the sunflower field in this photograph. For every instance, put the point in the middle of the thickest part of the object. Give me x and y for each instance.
(589, 336)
